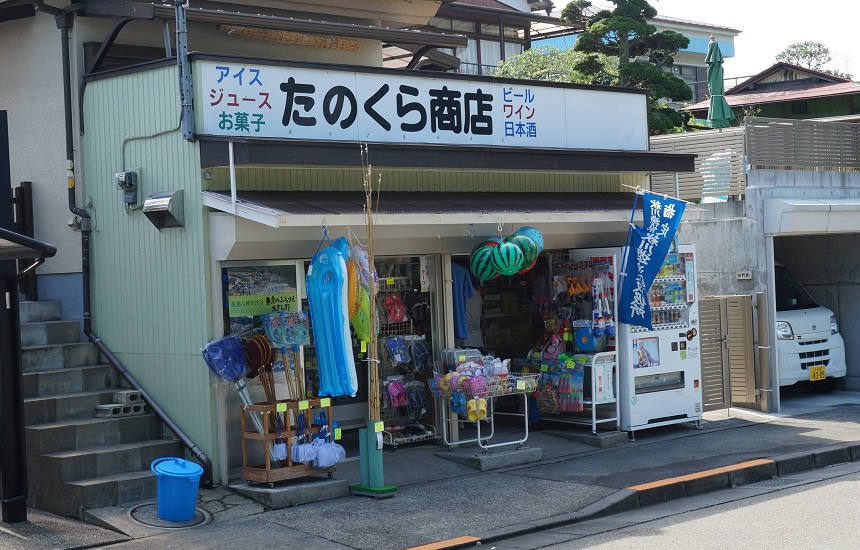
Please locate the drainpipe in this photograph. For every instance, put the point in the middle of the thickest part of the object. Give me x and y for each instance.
(64, 22)
(184, 70)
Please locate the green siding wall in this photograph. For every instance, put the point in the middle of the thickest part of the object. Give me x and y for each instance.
(326, 179)
(150, 288)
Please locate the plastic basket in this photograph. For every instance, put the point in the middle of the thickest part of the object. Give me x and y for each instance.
(492, 386)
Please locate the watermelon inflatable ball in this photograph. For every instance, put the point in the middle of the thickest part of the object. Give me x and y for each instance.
(481, 263)
(527, 268)
(528, 246)
(507, 258)
(532, 234)
(489, 242)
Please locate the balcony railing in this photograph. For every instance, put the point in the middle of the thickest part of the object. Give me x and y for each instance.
(780, 144)
(719, 164)
(725, 156)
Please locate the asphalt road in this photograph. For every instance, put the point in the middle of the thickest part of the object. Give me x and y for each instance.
(813, 510)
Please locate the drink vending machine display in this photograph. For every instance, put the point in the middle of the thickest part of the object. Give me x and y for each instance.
(660, 369)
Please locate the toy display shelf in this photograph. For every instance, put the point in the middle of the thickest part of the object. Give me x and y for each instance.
(604, 391)
(285, 411)
(521, 385)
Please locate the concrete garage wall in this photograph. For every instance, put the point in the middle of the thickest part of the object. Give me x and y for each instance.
(829, 267)
(827, 263)
(722, 236)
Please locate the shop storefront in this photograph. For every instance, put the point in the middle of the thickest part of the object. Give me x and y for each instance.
(456, 160)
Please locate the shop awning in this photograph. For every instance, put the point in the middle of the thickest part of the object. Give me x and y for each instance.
(215, 152)
(809, 216)
(315, 209)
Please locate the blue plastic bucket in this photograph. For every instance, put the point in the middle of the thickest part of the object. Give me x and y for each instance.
(178, 483)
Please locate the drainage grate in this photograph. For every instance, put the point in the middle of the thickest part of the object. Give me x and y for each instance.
(776, 482)
(147, 514)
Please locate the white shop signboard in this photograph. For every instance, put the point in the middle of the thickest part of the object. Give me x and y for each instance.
(250, 100)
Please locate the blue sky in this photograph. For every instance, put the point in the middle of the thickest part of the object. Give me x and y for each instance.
(769, 26)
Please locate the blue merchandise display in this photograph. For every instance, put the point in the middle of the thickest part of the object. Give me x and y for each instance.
(327, 290)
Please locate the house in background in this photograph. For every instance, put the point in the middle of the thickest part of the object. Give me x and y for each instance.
(496, 29)
(784, 90)
(690, 62)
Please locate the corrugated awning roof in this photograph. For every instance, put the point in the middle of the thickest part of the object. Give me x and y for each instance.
(214, 152)
(313, 209)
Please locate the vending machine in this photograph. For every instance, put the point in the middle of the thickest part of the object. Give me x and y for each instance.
(660, 369)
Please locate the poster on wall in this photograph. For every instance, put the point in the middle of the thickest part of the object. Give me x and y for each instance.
(252, 291)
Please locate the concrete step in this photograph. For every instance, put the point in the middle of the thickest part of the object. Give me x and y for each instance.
(65, 407)
(68, 466)
(110, 490)
(91, 432)
(31, 312)
(50, 332)
(73, 379)
(58, 356)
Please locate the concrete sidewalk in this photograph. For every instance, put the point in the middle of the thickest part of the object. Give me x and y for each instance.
(441, 498)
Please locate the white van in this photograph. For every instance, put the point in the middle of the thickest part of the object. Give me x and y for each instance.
(808, 342)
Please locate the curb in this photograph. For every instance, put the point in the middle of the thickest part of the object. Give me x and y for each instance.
(658, 492)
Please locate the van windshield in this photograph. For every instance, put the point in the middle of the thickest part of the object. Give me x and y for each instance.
(790, 295)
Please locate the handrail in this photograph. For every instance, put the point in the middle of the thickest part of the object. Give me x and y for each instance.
(206, 477)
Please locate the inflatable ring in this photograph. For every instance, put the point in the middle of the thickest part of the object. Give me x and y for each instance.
(361, 319)
(353, 286)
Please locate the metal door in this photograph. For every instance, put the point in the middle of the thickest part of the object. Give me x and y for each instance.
(716, 392)
(739, 316)
(728, 361)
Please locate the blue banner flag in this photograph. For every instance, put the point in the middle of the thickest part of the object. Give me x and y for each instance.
(647, 247)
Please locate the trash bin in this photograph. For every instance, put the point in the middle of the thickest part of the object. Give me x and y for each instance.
(178, 483)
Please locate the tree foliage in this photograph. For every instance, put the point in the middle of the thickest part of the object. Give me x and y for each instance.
(645, 57)
(811, 55)
(837, 73)
(553, 64)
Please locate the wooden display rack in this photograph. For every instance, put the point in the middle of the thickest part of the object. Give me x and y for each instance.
(286, 411)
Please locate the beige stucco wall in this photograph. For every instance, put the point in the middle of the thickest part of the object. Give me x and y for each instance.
(31, 90)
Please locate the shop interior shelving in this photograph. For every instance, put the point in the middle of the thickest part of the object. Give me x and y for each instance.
(391, 435)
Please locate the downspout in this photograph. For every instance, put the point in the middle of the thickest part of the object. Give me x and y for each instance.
(186, 93)
(64, 22)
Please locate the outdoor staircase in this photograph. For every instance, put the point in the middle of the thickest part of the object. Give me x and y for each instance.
(90, 441)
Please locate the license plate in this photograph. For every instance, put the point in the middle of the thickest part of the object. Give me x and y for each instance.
(817, 373)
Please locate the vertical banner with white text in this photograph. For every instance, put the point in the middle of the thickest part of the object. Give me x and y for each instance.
(646, 249)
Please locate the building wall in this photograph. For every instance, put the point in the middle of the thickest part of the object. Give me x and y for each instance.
(31, 90)
(32, 93)
(721, 235)
(204, 37)
(150, 298)
(812, 108)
